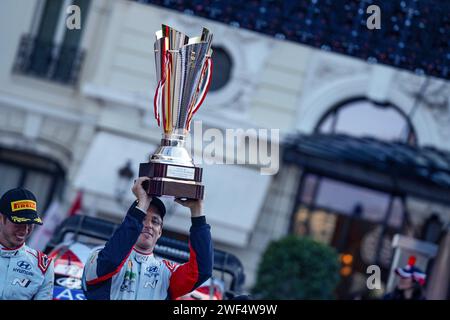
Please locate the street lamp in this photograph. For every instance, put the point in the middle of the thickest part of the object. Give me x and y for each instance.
(125, 175)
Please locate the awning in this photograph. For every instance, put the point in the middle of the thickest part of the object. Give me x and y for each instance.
(233, 194)
(392, 167)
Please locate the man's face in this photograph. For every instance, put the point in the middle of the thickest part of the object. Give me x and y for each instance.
(152, 230)
(13, 235)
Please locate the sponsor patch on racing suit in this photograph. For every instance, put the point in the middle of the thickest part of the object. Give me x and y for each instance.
(25, 274)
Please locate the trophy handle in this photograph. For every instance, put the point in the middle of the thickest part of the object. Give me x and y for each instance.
(157, 99)
(206, 78)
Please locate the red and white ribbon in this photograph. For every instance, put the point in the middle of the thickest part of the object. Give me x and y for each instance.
(158, 99)
(206, 74)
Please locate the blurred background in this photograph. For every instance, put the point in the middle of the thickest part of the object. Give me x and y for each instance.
(364, 119)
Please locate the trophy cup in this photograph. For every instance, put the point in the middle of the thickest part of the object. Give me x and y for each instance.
(184, 69)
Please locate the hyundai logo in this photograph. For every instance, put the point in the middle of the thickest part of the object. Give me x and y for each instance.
(24, 265)
(152, 269)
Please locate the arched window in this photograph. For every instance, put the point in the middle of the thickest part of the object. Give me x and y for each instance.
(356, 220)
(362, 117)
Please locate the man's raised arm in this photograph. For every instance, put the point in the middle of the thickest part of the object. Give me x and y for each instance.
(105, 263)
(198, 269)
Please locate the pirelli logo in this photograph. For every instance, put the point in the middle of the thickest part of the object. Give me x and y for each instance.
(23, 205)
(16, 219)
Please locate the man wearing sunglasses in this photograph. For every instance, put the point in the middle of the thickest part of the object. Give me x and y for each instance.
(126, 269)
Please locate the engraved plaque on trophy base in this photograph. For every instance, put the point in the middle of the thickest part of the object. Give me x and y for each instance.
(172, 180)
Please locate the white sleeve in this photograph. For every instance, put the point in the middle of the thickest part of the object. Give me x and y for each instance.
(45, 291)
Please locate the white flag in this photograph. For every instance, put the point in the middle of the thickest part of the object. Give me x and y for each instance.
(52, 219)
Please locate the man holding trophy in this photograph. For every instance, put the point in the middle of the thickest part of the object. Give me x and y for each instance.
(126, 269)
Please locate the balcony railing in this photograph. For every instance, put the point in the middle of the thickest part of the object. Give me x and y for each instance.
(46, 60)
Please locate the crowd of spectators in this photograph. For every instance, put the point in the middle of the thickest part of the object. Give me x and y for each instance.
(414, 34)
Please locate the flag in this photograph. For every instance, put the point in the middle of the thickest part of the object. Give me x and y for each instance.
(77, 204)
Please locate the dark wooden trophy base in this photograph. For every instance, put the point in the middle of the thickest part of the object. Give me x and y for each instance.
(172, 180)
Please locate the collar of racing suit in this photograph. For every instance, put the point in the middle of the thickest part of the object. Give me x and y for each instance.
(11, 252)
(142, 257)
